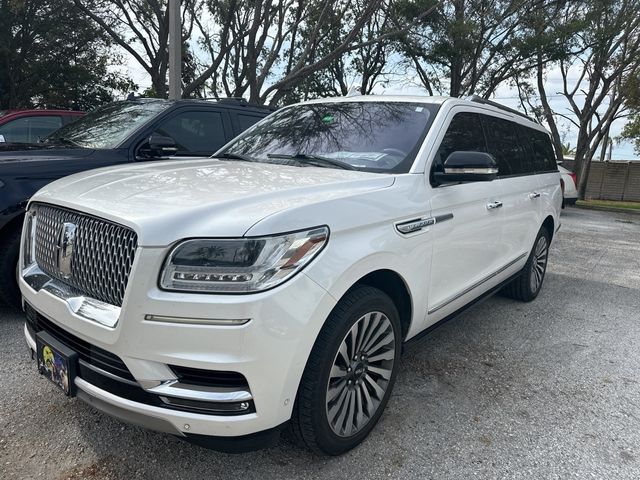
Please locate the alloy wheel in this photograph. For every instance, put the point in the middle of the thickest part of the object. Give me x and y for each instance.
(360, 374)
(539, 264)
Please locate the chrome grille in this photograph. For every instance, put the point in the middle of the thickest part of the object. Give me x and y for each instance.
(102, 257)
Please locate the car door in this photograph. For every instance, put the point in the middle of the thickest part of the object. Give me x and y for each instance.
(546, 170)
(508, 143)
(467, 234)
(196, 131)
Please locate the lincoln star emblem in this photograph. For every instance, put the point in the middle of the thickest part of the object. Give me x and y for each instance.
(66, 241)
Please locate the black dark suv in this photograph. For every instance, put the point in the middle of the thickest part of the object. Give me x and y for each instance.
(117, 133)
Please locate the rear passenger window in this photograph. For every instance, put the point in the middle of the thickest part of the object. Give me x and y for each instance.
(507, 148)
(543, 155)
(464, 134)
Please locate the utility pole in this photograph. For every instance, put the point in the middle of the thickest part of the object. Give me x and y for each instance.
(175, 51)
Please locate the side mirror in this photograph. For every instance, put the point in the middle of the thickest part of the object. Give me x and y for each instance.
(161, 146)
(463, 166)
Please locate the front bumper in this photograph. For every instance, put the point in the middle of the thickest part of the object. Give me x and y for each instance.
(270, 351)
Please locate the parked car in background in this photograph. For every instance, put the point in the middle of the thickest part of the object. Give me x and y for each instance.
(122, 132)
(221, 299)
(29, 126)
(569, 191)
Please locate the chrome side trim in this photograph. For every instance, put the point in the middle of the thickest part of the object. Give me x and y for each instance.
(173, 388)
(475, 285)
(107, 374)
(85, 307)
(417, 224)
(443, 218)
(197, 321)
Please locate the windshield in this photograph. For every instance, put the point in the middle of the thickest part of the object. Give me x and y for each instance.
(368, 136)
(107, 126)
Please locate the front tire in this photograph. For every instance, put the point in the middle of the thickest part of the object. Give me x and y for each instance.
(9, 252)
(528, 283)
(350, 373)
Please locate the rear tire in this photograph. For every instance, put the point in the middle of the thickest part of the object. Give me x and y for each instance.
(526, 286)
(350, 373)
(9, 252)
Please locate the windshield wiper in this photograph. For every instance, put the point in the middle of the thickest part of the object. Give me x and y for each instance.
(317, 160)
(236, 156)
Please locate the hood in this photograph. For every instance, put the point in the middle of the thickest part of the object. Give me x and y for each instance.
(168, 201)
(37, 152)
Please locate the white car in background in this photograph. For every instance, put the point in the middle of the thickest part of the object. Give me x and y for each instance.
(569, 190)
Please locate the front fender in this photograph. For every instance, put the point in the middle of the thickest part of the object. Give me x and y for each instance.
(351, 255)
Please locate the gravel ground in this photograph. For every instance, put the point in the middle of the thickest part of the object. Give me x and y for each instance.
(549, 389)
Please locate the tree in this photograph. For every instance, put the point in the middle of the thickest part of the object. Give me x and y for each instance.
(472, 46)
(267, 50)
(141, 28)
(360, 70)
(631, 130)
(595, 79)
(51, 56)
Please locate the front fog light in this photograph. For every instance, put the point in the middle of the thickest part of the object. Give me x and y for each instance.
(240, 265)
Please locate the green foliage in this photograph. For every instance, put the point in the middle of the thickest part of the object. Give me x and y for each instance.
(52, 56)
(567, 149)
(473, 46)
(631, 131)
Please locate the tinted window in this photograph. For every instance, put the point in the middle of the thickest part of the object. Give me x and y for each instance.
(369, 136)
(464, 134)
(246, 121)
(506, 146)
(543, 155)
(108, 126)
(29, 129)
(195, 133)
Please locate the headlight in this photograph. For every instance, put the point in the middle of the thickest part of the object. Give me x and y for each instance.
(240, 265)
(29, 239)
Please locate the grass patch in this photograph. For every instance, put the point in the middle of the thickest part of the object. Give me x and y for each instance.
(609, 204)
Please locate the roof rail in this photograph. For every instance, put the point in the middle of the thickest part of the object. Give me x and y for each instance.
(478, 99)
(243, 102)
(232, 100)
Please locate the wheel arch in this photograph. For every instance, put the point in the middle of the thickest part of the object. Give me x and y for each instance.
(14, 223)
(549, 225)
(391, 283)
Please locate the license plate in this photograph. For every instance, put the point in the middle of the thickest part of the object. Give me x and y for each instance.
(56, 362)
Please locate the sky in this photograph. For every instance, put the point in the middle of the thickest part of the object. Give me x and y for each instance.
(505, 94)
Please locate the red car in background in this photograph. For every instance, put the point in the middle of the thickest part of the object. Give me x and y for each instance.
(29, 126)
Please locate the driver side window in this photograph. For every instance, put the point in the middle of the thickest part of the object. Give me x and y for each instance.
(464, 134)
(195, 133)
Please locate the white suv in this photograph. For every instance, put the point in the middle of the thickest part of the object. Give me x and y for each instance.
(221, 299)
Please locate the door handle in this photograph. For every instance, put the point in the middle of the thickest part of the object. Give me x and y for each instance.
(534, 195)
(492, 205)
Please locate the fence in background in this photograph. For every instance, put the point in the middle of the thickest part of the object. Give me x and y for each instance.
(612, 180)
